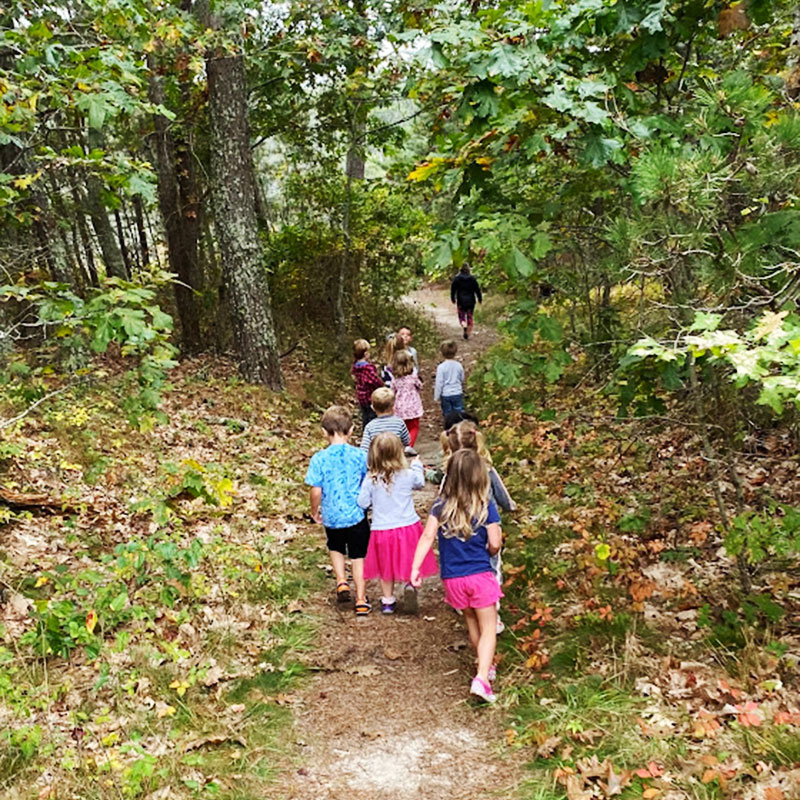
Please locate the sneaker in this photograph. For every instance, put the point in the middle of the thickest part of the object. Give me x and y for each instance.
(465, 333)
(481, 689)
(500, 626)
(388, 608)
(410, 600)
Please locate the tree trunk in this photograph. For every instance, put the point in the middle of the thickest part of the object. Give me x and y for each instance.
(112, 257)
(123, 246)
(179, 215)
(233, 197)
(144, 248)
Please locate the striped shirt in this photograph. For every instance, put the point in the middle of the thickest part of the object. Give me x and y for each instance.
(389, 424)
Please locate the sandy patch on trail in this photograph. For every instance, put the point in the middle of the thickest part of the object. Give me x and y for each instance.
(387, 714)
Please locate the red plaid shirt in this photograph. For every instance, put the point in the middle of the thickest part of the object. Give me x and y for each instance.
(367, 381)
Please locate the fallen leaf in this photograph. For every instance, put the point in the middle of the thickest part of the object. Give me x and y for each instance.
(392, 655)
(364, 670)
(213, 676)
(770, 793)
(575, 790)
(164, 709)
(295, 607)
(587, 737)
(649, 794)
(547, 747)
(217, 738)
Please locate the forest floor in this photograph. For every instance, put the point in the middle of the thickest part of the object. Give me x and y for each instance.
(168, 629)
(387, 714)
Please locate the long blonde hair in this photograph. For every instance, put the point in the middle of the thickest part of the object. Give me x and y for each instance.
(464, 495)
(402, 364)
(385, 458)
(392, 346)
(463, 435)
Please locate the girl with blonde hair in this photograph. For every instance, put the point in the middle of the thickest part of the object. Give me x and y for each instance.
(465, 434)
(396, 526)
(468, 528)
(406, 386)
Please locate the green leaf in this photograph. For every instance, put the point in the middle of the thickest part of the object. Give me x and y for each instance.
(652, 22)
(559, 100)
(103, 334)
(542, 245)
(521, 263)
(97, 111)
(550, 329)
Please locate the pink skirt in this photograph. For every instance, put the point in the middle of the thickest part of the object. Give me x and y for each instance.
(391, 554)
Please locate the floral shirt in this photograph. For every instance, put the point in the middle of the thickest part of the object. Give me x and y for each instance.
(408, 403)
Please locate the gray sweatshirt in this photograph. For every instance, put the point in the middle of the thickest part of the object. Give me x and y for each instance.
(449, 379)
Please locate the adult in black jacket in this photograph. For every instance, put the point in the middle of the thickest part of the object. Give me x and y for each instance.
(463, 291)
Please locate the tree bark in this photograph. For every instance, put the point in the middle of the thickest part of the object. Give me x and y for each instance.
(144, 248)
(112, 257)
(180, 217)
(233, 196)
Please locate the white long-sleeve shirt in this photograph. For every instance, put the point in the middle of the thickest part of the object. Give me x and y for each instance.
(392, 506)
(449, 379)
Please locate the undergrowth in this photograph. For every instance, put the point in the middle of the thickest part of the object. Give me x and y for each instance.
(151, 582)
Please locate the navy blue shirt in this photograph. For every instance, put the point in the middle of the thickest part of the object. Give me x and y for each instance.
(458, 558)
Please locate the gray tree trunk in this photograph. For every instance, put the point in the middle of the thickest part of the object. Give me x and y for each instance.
(233, 196)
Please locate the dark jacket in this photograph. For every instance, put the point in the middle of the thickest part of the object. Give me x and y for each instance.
(463, 291)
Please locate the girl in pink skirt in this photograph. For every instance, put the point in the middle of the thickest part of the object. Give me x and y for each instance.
(396, 526)
(468, 527)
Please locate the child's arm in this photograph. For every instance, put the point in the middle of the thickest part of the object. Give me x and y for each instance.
(495, 536)
(423, 546)
(500, 493)
(316, 502)
(365, 493)
(418, 474)
(405, 438)
(437, 387)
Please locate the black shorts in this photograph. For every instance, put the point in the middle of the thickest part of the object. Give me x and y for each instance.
(352, 541)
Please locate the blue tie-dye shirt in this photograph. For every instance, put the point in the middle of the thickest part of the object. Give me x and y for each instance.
(338, 470)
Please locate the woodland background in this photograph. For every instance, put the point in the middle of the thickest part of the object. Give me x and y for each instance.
(189, 190)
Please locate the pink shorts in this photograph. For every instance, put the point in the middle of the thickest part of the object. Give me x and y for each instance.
(472, 591)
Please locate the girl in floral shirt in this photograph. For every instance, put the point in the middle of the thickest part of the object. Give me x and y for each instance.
(406, 386)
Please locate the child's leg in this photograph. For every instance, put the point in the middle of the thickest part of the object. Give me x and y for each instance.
(486, 619)
(357, 565)
(387, 587)
(413, 429)
(337, 560)
(472, 627)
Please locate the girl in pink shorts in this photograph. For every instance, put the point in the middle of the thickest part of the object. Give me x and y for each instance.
(468, 528)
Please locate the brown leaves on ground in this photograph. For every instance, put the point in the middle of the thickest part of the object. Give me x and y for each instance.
(592, 778)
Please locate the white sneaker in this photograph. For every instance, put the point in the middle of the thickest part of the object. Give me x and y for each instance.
(500, 626)
(481, 689)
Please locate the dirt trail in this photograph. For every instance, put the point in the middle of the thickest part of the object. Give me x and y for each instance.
(387, 715)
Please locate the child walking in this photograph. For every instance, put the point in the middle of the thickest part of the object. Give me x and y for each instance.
(468, 528)
(366, 377)
(449, 387)
(396, 527)
(406, 386)
(465, 434)
(335, 475)
(386, 421)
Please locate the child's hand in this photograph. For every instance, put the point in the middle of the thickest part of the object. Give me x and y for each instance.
(415, 579)
(317, 516)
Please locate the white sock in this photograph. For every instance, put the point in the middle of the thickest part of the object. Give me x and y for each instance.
(391, 599)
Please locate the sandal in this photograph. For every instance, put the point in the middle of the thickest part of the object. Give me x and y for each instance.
(363, 607)
(343, 592)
